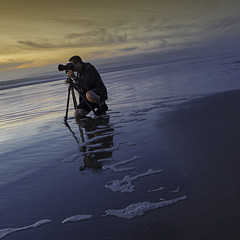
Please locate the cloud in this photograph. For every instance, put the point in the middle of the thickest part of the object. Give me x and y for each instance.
(111, 29)
(127, 49)
(223, 24)
(13, 64)
(97, 37)
(5, 50)
(34, 45)
(151, 34)
(89, 39)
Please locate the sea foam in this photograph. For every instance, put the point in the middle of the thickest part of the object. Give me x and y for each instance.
(115, 165)
(125, 184)
(110, 149)
(156, 190)
(139, 209)
(7, 231)
(76, 218)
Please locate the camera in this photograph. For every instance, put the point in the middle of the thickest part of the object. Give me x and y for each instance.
(68, 66)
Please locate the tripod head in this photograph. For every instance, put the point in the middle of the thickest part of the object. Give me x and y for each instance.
(69, 81)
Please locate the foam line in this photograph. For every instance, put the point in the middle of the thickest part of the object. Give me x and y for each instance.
(156, 190)
(110, 149)
(76, 218)
(139, 209)
(97, 138)
(7, 231)
(131, 144)
(125, 184)
(176, 190)
(132, 120)
(115, 165)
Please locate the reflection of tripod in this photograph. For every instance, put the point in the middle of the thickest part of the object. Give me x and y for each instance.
(96, 142)
(71, 88)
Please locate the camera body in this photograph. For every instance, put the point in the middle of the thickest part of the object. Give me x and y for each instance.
(68, 66)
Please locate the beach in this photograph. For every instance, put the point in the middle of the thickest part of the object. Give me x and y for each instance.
(204, 138)
(162, 164)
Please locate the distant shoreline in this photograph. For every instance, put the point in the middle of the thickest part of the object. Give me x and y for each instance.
(103, 69)
(25, 82)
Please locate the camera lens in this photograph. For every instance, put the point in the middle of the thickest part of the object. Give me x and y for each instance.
(61, 67)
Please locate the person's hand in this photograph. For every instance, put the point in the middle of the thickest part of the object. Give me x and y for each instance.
(70, 74)
(69, 80)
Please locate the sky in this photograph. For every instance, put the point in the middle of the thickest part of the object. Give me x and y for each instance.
(48, 32)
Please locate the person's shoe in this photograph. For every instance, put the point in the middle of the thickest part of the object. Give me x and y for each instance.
(102, 109)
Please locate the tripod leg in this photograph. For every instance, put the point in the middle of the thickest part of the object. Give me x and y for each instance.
(74, 98)
(66, 116)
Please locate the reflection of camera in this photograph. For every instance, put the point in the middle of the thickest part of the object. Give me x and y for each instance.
(68, 66)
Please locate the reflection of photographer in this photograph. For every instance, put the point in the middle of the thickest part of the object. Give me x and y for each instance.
(99, 141)
(90, 85)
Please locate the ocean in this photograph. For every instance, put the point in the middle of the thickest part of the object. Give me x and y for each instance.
(105, 177)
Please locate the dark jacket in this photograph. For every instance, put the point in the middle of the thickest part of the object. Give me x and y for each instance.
(90, 79)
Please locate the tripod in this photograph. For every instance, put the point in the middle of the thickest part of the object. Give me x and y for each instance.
(71, 88)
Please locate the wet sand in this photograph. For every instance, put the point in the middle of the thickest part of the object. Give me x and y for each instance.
(202, 140)
(166, 170)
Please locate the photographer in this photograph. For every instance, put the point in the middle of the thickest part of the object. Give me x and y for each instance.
(91, 86)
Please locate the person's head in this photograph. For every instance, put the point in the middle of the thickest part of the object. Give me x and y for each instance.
(77, 62)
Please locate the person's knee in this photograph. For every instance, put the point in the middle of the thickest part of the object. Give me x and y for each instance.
(80, 113)
(93, 97)
(90, 95)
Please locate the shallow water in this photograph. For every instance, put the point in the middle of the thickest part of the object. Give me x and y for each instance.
(49, 170)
